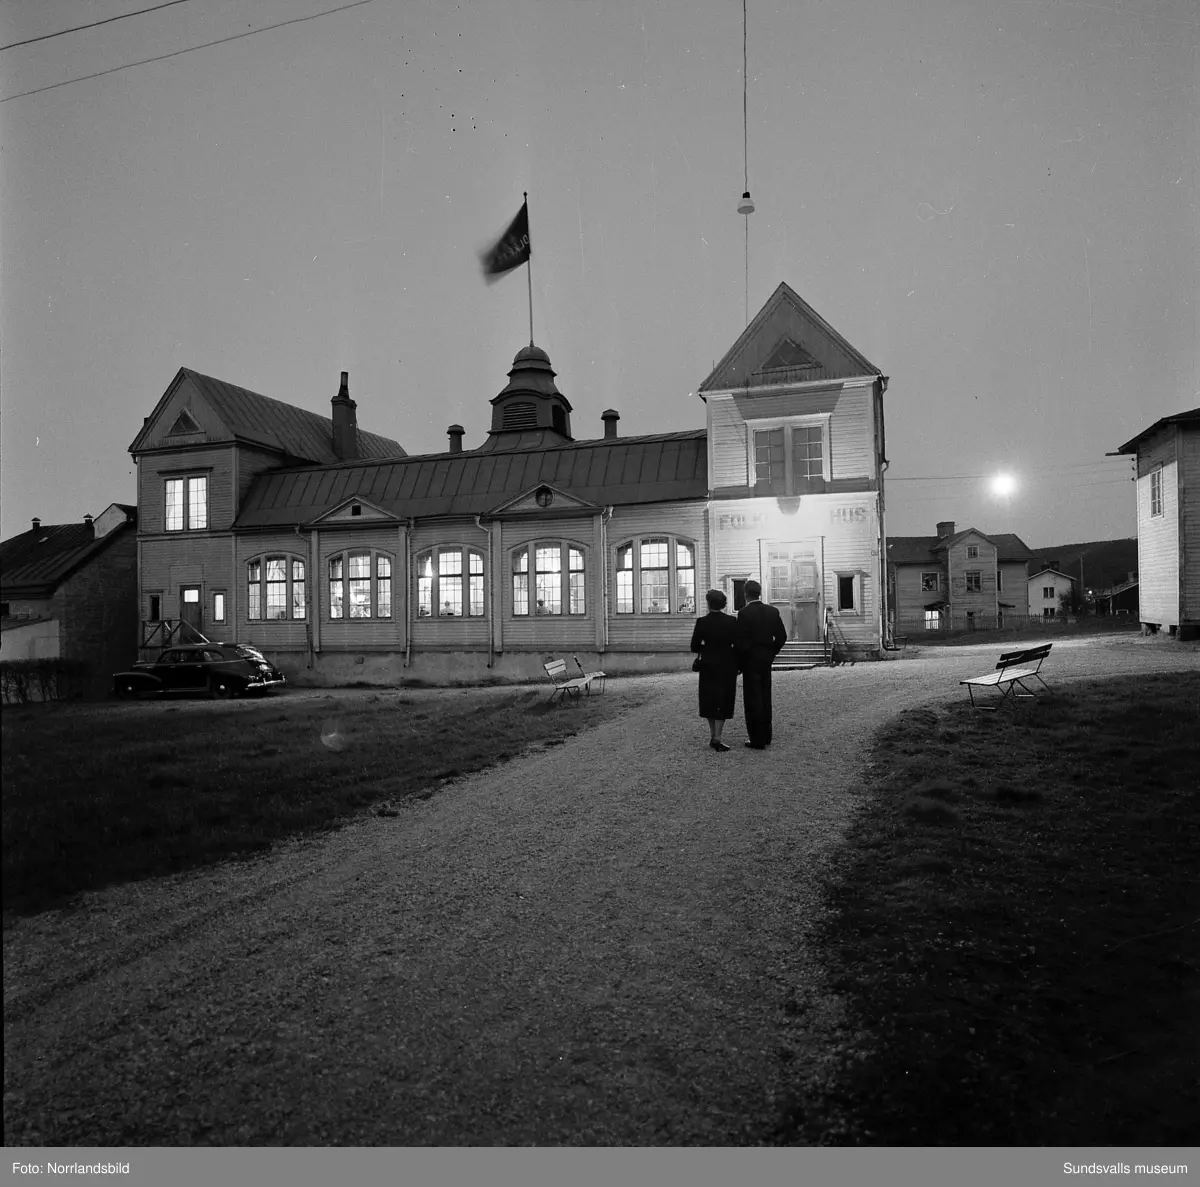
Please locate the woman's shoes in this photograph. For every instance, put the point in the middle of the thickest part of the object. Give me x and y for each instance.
(718, 745)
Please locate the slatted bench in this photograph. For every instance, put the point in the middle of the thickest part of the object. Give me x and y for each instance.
(565, 685)
(1013, 670)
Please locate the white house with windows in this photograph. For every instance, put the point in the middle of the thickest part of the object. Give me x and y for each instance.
(1047, 588)
(1168, 516)
(344, 559)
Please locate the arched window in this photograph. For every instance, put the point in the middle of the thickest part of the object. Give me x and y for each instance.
(552, 574)
(275, 588)
(450, 582)
(360, 585)
(656, 575)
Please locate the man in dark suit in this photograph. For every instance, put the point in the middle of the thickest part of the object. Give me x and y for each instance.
(761, 634)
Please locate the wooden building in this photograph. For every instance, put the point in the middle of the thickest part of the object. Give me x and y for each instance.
(346, 560)
(957, 580)
(69, 591)
(1168, 518)
(1047, 588)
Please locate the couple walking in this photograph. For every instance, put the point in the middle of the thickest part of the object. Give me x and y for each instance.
(727, 645)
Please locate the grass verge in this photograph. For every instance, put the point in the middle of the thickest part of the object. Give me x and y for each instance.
(102, 794)
(1014, 928)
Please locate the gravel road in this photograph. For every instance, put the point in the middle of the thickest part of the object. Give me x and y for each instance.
(591, 945)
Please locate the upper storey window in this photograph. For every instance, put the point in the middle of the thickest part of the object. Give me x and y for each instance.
(790, 458)
(186, 504)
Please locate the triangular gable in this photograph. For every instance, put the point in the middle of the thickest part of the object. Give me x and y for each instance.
(345, 513)
(182, 403)
(543, 499)
(787, 342)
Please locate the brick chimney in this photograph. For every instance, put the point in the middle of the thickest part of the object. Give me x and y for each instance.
(345, 422)
(87, 520)
(37, 524)
(945, 528)
(610, 416)
(455, 433)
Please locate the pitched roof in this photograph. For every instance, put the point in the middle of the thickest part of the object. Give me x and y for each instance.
(1191, 417)
(921, 550)
(787, 341)
(260, 420)
(35, 562)
(621, 470)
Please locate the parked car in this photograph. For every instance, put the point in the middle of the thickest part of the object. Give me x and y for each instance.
(218, 669)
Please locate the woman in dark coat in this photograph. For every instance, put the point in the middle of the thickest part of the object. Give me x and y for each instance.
(715, 642)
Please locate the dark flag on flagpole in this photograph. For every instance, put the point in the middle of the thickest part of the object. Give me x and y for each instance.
(511, 250)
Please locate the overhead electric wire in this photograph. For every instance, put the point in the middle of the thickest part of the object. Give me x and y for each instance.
(78, 28)
(190, 49)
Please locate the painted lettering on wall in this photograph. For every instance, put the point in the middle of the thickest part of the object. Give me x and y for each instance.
(739, 521)
(847, 515)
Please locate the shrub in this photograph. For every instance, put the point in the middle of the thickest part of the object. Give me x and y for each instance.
(26, 680)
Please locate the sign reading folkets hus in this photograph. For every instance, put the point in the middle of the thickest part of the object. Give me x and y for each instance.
(741, 521)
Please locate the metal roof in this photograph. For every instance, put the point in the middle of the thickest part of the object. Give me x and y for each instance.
(922, 550)
(1192, 416)
(620, 470)
(260, 420)
(34, 563)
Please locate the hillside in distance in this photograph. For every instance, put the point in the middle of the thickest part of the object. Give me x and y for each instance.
(1097, 564)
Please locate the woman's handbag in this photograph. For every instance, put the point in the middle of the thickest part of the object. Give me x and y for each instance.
(696, 664)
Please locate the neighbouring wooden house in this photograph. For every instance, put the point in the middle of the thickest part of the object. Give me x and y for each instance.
(1168, 518)
(69, 591)
(957, 580)
(1047, 588)
(346, 560)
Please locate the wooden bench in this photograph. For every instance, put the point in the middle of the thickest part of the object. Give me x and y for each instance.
(565, 685)
(1014, 668)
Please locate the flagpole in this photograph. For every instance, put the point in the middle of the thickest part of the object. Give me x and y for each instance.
(529, 268)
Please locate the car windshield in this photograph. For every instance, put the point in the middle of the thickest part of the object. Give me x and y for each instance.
(250, 653)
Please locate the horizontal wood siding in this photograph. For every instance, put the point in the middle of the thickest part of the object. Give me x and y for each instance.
(657, 632)
(549, 632)
(281, 634)
(362, 634)
(250, 464)
(727, 444)
(1189, 522)
(963, 601)
(1158, 535)
(847, 554)
(1015, 589)
(169, 562)
(910, 599)
(152, 497)
(439, 633)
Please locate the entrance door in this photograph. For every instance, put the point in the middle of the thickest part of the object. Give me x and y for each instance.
(793, 587)
(191, 611)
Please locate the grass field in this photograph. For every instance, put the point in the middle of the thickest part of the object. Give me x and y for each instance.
(102, 794)
(1015, 928)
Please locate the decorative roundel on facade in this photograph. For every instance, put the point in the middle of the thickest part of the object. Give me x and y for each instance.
(544, 496)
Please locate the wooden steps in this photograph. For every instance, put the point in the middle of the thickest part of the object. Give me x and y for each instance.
(800, 655)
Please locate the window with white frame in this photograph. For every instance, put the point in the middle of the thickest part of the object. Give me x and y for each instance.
(219, 605)
(999, 581)
(849, 593)
(972, 552)
(931, 582)
(974, 580)
(1047, 591)
(450, 582)
(1156, 491)
(656, 575)
(275, 589)
(549, 577)
(790, 457)
(360, 585)
(186, 506)
(933, 620)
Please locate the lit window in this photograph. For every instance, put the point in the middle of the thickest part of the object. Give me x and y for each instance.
(559, 574)
(186, 504)
(655, 577)
(360, 585)
(648, 570)
(447, 575)
(933, 620)
(974, 581)
(358, 570)
(383, 587)
(337, 588)
(267, 588)
(218, 607)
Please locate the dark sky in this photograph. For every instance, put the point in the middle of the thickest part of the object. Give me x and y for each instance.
(994, 200)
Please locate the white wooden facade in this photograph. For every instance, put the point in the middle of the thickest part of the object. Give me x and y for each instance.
(1168, 517)
(1046, 591)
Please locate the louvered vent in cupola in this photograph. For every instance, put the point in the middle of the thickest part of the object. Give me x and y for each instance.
(185, 422)
(520, 415)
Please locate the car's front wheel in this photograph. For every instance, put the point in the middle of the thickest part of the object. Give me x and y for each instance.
(220, 688)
